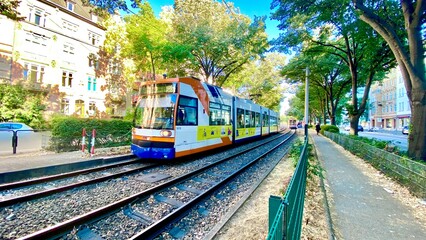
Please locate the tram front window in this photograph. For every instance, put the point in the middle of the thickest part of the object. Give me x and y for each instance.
(156, 112)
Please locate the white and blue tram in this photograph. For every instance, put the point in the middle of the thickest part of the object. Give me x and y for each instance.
(181, 116)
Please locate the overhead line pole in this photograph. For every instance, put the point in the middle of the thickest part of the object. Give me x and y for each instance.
(306, 102)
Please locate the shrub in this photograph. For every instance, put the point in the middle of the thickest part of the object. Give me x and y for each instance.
(67, 133)
(329, 128)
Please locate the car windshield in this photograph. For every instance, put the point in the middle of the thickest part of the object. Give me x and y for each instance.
(156, 112)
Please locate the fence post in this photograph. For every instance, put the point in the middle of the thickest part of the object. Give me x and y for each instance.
(14, 140)
(83, 140)
(92, 150)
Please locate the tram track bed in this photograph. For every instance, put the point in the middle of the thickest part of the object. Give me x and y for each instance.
(28, 217)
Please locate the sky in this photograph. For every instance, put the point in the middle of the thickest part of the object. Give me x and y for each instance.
(250, 8)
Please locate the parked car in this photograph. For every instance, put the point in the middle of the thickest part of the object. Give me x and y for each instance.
(405, 130)
(360, 128)
(373, 129)
(347, 128)
(22, 128)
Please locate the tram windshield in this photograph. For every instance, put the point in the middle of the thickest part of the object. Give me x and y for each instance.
(156, 112)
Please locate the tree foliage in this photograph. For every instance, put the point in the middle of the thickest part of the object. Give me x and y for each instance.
(17, 104)
(328, 73)
(401, 25)
(8, 8)
(221, 39)
(336, 31)
(260, 81)
(147, 39)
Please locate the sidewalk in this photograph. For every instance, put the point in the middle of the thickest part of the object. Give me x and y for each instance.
(360, 208)
(34, 159)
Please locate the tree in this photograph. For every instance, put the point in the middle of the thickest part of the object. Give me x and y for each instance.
(386, 17)
(18, 104)
(260, 81)
(8, 8)
(221, 39)
(327, 73)
(337, 31)
(147, 38)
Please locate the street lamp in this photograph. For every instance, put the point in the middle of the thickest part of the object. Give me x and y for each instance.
(306, 102)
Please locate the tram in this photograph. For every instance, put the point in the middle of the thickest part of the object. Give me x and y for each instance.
(177, 117)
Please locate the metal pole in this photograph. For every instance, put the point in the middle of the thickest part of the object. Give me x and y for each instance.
(306, 102)
(14, 141)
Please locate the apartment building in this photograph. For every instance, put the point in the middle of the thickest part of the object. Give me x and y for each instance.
(389, 105)
(54, 50)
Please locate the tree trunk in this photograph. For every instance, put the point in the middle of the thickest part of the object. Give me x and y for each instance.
(417, 137)
(354, 124)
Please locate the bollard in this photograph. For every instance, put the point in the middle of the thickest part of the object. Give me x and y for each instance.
(15, 141)
(92, 150)
(83, 140)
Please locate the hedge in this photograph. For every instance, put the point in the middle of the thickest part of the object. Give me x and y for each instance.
(329, 128)
(67, 133)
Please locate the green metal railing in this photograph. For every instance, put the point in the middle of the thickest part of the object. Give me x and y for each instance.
(285, 213)
(407, 172)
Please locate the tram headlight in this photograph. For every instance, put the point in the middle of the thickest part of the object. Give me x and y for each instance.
(166, 133)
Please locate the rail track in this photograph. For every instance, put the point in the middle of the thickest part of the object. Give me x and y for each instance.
(192, 187)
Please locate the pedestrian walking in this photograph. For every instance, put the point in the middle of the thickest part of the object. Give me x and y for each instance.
(318, 127)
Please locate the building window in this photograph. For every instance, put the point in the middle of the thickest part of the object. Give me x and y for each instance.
(89, 83)
(79, 107)
(34, 41)
(36, 16)
(92, 108)
(34, 73)
(70, 6)
(93, 60)
(93, 38)
(69, 26)
(67, 78)
(68, 49)
(65, 106)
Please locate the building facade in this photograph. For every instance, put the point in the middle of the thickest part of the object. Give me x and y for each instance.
(54, 50)
(389, 105)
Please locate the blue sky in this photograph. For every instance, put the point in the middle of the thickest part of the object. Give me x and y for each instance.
(250, 8)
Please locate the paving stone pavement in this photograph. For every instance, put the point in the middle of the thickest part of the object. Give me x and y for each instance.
(359, 208)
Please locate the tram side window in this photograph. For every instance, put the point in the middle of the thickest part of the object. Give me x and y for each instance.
(187, 111)
(247, 118)
(226, 115)
(252, 119)
(215, 114)
(240, 118)
(265, 120)
(257, 120)
(273, 121)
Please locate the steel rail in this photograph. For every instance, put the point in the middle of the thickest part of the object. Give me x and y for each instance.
(59, 229)
(47, 192)
(29, 182)
(154, 229)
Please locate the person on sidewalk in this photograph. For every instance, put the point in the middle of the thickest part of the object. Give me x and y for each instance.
(318, 128)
